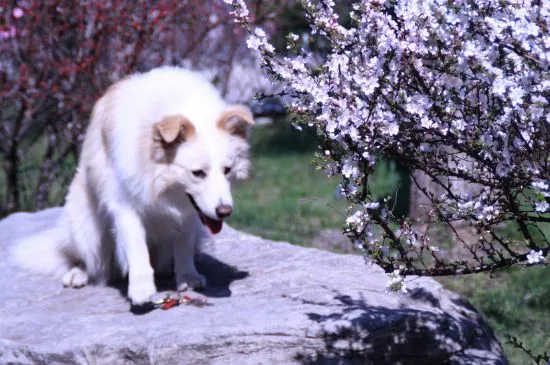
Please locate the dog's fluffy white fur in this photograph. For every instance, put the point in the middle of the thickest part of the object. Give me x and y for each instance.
(156, 164)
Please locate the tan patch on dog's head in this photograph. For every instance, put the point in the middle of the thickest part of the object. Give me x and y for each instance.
(236, 120)
(168, 134)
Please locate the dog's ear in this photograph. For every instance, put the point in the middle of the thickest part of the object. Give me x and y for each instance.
(236, 119)
(175, 128)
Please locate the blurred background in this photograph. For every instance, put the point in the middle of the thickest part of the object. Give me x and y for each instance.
(58, 56)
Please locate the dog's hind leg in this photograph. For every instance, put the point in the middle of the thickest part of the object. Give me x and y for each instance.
(187, 276)
(86, 227)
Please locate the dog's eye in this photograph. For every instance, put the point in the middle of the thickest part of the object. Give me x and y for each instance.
(227, 170)
(199, 173)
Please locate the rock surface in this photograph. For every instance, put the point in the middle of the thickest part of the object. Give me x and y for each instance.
(271, 303)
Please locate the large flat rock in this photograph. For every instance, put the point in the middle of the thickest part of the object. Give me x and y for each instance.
(271, 303)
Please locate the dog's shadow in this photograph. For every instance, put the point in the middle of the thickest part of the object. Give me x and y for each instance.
(219, 276)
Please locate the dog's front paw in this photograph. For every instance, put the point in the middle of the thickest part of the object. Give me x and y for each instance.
(140, 291)
(191, 281)
(75, 278)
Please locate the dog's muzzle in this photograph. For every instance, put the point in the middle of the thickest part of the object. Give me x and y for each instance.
(214, 225)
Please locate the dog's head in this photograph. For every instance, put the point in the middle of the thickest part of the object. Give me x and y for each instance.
(202, 158)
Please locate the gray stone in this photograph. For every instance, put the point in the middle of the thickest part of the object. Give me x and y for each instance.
(333, 240)
(270, 303)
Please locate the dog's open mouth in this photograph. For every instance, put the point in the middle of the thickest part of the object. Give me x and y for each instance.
(214, 225)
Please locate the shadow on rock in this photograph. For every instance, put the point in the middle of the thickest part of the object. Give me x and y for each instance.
(219, 276)
(363, 334)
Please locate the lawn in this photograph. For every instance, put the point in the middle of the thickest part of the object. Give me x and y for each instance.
(287, 199)
(516, 301)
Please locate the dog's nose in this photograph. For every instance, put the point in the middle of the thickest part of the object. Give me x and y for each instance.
(223, 211)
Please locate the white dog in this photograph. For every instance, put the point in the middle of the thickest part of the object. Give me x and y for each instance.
(157, 160)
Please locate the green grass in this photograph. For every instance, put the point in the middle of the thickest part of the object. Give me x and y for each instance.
(286, 198)
(290, 203)
(516, 301)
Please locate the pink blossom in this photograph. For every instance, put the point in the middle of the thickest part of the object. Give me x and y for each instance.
(8, 33)
(17, 13)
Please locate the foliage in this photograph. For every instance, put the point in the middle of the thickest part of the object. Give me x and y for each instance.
(458, 91)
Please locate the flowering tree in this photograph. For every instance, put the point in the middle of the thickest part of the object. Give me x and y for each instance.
(58, 56)
(459, 92)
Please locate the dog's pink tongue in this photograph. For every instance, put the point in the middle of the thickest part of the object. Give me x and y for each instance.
(214, 225)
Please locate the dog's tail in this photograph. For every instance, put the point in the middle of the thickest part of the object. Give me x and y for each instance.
(43, 250)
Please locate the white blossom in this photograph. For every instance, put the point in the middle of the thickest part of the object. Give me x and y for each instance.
(541, 185)
(396, 282)
(356, 218)
(516, 95)
(372, 205)
(535, 257)
(457, 90)
(350, 170)
(542, 207)
(258, 41)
